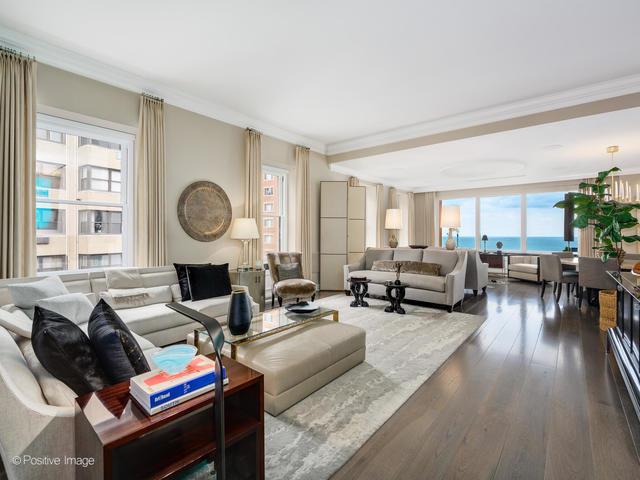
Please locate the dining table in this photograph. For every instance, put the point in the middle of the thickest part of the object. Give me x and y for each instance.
(572, 263)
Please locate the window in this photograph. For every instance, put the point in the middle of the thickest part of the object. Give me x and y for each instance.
(545, 224)
(93, 222)
(466, 234)
(100, 260)
(49, 176)
(274, 222)
(49, 219)
(81, 223)
(100, 179)
(52, 263)
(500, 220)
(50, 135)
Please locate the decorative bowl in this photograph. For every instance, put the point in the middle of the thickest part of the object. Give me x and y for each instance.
(175, 358)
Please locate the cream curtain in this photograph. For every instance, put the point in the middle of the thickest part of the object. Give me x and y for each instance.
(424, 218)
(17, 165)
(303, 210)
(150, 220)
(380, 214)
(253, 190)
(354, 182)
(411, 215)
(393, 198)
(587, 235)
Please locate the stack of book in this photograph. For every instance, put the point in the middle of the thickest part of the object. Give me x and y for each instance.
(156, 390)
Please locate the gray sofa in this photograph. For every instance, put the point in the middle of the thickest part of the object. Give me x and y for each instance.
(446, 289)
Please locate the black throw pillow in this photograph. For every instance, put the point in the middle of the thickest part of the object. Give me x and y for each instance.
(209, 281)
(66, 352)
(120, 355)
(183, 281)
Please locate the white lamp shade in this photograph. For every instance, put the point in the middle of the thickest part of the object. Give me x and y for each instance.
(244, 229)
(450, 216)
(393, 219)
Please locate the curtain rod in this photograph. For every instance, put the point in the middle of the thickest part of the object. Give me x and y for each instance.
(249, 129)
(15, 52)
(152, 97)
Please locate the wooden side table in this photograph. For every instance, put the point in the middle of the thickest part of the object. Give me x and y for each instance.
(359, 289)
(126, 443)
(252, 279)
(395, 295)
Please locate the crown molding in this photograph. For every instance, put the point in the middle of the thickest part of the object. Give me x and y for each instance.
(88, 67)
(568, 98)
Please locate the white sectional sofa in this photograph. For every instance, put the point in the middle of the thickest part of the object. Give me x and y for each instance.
(29, 424)
(446, 289)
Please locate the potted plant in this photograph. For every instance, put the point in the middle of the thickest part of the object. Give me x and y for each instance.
(607, 216)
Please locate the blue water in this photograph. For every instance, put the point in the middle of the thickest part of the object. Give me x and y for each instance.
(536, 244)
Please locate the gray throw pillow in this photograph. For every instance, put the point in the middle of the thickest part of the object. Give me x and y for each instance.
(73, 306)
(26, 295)
(289, 271)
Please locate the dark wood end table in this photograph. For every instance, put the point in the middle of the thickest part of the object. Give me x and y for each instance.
(359, 289)
(395, 295)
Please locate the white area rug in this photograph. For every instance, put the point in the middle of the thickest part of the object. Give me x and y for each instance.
(315, 437)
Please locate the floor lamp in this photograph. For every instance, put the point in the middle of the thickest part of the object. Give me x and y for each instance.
(217, 341)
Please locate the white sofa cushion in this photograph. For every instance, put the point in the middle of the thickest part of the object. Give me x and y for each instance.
(373, 254)
(376, 276)
(123, 278)
(214, 307)
(447, 259)
(151, 318)
(120, 299)
(407, 254)
(25, 295)
(424, 282)
(16, 321)
(74, 306)
(16, 369)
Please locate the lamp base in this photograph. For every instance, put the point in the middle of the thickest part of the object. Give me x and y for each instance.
(450, 243)
(393, 241)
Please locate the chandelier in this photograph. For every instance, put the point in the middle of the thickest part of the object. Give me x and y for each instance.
(619, 189)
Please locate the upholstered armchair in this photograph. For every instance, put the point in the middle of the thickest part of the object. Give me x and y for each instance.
(288, 281)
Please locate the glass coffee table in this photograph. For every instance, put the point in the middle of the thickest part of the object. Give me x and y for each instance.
(266, 324)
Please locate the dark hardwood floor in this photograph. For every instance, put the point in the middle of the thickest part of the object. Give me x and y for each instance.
(532, 395)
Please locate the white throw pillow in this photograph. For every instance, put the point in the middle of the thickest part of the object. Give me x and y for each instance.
(74, 306)
(16, 321)
(176, 294)
(26, 295)
(120, 299)
(123, 278)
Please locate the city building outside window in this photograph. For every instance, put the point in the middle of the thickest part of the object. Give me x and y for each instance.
(82, 203)
(274, 222)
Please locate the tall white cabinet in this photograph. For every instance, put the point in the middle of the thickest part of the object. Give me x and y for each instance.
(342, 230)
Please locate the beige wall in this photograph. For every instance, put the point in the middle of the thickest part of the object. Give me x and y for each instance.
(198, 148)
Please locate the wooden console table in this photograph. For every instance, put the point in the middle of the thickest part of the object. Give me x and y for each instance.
(126, 443)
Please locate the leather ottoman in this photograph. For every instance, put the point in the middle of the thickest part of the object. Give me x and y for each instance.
(297, 362)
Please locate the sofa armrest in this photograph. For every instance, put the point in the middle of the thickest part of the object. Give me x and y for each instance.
(454, 282)
(352, 267)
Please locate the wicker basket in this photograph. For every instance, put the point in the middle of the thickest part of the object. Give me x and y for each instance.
(608, 309)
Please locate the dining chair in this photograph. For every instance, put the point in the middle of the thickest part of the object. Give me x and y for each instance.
(592, 273)
(551, 271)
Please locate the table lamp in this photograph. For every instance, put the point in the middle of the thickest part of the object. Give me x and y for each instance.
(485, 239)
(244, 229)
(450, 218)
(393, 222)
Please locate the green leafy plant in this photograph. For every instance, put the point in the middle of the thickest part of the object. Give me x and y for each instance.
(608, 217)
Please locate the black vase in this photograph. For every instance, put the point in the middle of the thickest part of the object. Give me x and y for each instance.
(240, 312)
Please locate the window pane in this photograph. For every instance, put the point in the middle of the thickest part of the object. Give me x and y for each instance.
(545, 224)
(466, 234)
(81, 171)
(500, 221)
(274, 221)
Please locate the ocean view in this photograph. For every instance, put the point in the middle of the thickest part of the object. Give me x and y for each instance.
(538, 244)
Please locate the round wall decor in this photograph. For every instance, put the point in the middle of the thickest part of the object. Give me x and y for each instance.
(204, 211)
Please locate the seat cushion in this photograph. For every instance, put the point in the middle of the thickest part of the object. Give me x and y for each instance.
(288, 358)
(524, 267)
(295, 287)
(374, 275)
(214, 307)
(424, 282)
(152, 318)
(447, 259)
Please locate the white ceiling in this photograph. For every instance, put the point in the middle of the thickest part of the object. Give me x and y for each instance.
(334, 70)
(570, 149)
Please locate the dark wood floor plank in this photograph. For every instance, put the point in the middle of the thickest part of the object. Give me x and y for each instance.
(530, 396)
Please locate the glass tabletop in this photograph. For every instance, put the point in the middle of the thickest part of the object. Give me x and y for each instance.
(274, 321)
